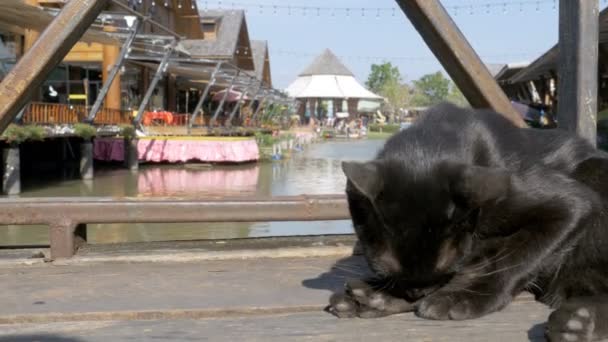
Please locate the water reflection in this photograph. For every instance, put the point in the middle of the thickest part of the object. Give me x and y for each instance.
(314, 171)
(193, 179)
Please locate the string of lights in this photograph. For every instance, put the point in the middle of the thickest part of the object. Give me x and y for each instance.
(503, 56)
(489, 7)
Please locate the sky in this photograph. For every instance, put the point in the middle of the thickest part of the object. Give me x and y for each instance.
(501, 31)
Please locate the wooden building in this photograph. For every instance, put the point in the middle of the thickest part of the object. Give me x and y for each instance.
(212, 35)
(536, 83)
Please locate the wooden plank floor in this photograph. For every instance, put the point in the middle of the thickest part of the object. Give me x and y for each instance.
(250, 299)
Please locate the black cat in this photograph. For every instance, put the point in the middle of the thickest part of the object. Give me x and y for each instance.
(462, 211)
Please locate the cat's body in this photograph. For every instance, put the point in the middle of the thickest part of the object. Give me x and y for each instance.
(463, 211)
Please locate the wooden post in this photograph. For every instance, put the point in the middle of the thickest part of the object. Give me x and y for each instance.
(86, 160)
(111, 56)
(577, 67)
(11, 180)
(458, 58)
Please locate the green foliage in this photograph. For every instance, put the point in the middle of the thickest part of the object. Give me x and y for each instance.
(264, 139)
(434, 88)
(431, 89)
(381, 75)
(127, 131)
(456, 97)
(35, 133)
(85, 131)
(16, 134)
(384, 128)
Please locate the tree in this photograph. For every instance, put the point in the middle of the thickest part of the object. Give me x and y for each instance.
(455, 96)
(397, 96)
(431, 89)
(381, 75)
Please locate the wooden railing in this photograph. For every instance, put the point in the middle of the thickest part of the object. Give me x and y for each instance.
(108, 116)
(53, 113)
(56, 113)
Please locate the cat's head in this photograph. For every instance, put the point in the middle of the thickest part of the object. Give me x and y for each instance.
(417, 226)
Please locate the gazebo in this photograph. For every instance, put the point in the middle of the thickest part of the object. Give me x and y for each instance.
(327, 88)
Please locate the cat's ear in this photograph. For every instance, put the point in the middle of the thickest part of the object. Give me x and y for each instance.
(477, 185)
(365, 177)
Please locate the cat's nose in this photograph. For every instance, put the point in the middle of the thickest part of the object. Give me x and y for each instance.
(414, 294)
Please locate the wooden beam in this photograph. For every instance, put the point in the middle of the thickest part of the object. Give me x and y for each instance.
(578, 67)
(51, 47)
(458, 58)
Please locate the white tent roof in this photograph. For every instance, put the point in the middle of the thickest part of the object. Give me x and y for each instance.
(329, 86)
(327, 77)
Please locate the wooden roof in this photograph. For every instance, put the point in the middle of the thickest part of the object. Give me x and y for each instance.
(326, 64)
(16, 16)
(547, 62)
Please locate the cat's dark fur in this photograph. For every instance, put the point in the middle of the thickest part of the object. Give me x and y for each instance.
(462, 211)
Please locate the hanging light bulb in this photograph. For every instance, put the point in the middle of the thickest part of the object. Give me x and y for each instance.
(471, 10)
(139, 1)
(363, 12)
(193, 6)
(153, 3)
(537, 6)
(261, 9)
(274, 9)
(555, 4)
(488, 9)
(378, 13)
(348, 12)
(504, 8)
(521, 6)
(179, 4)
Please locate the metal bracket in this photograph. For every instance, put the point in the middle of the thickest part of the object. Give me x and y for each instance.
(199, 104)
(157, 76)
(124, 51)
(257, 110)
(241, 98)
(221, 105)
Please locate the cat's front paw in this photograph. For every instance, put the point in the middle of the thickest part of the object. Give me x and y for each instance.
(571, 323)
(452, 306)
(342, 305)
(363, 300)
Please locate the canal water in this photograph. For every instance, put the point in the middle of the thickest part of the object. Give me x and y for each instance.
(313, 171)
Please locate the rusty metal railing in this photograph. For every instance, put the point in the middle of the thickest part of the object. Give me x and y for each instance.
(67, 217)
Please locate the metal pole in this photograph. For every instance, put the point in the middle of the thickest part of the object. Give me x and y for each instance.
(221, 105)
(51, 47)
(577, 67)
(157, 76)
(257, 110)
(115, 68)
(257, 94)
(458, 58)
(201, 100)
(238, 103)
